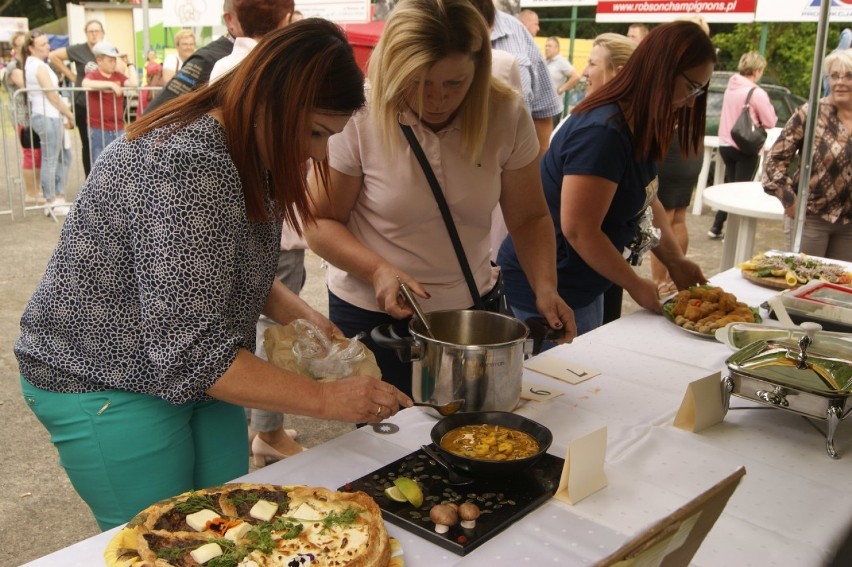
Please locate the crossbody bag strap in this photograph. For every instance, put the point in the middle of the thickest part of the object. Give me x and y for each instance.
(445, 213)
(747, 105)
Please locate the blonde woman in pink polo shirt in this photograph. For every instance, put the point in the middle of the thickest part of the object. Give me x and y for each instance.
(377, 217)
(740, 166)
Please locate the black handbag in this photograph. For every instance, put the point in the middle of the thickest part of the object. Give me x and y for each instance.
(494, 300)
(748, 136)
(29, 139)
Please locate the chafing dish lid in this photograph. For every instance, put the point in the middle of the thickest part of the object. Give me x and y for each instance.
(826, 368)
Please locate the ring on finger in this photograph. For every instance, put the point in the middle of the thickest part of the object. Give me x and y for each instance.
(379, 411)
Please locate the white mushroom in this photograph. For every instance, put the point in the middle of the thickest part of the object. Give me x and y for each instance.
(468, 512)
(444, 516)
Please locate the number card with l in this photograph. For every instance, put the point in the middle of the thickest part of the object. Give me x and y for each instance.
(560, 369)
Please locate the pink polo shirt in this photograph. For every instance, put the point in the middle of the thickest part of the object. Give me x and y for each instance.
(760, 107)
(397, 217)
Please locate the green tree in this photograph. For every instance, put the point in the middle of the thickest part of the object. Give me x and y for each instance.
(39, 12)
(557, 21)
(789, 50)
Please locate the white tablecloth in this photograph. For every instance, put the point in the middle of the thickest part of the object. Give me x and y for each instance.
(793, 508)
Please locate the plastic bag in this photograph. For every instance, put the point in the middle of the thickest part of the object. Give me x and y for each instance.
(647, 237)
(302, 348)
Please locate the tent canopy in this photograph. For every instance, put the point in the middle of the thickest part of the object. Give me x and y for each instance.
(363, 38)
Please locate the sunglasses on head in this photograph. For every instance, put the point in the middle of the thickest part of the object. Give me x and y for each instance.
(33, 35)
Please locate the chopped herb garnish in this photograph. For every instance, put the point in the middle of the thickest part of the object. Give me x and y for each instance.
(231, 554)
(243, 497)
(261, 537)
(172, 554)
(195, 503)
(292, 530)
(282, 524)
(343, 519)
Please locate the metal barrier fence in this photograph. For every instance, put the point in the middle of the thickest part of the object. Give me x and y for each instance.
(22, 166)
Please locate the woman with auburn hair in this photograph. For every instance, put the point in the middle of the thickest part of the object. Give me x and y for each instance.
(678, 176)
(600, 177)
(378, 222)
(137, 348)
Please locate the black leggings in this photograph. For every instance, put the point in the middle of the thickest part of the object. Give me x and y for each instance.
(82, 123)
(738, 167)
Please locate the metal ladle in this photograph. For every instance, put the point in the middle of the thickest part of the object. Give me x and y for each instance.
(409, 297)
(453, 477)
(444, 409)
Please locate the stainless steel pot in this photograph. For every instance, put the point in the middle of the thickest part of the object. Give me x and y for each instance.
(474, 355)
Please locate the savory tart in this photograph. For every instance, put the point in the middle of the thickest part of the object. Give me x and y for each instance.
(784, 271)
(255, 525)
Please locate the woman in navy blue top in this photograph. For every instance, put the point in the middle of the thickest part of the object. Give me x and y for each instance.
(600, 177)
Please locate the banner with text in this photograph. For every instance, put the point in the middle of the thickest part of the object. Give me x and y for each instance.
(190, 14)
(802, 11)
(714, 11)
(533, 4)
(9, 26)
(342, 11)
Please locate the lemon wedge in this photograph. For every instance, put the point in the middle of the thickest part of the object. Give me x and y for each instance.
(410, 489)
(395, 494)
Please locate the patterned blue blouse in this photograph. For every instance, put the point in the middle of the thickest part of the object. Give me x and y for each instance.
(158, 277)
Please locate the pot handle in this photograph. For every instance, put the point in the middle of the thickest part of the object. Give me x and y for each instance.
(384, 336)
(540, 331)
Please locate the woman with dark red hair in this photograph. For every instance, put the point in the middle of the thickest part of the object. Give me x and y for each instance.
(137, 348)
(600, 177)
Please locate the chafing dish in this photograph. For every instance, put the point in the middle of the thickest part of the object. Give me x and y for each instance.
(803, 373)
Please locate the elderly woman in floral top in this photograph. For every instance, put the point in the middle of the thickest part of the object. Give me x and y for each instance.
(827, 229)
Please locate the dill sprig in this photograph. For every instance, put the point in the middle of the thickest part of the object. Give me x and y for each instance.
(195, 503)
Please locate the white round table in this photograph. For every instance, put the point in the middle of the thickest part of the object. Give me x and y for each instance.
(745, 202)
(711, 147)
(711, 154)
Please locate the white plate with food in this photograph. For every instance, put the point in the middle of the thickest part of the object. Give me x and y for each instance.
(700, 310)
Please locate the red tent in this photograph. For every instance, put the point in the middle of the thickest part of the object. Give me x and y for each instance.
(363, 38)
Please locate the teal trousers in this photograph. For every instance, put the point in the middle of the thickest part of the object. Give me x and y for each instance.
(125, 451)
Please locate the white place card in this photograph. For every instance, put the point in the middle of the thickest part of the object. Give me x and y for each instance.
(583, 472)
(560, 369)
(702, 404)
(537, 393)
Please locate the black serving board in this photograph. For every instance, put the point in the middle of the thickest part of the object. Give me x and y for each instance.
(502, 501)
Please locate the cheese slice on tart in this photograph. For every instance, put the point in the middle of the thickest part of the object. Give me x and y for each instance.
(255, 525)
